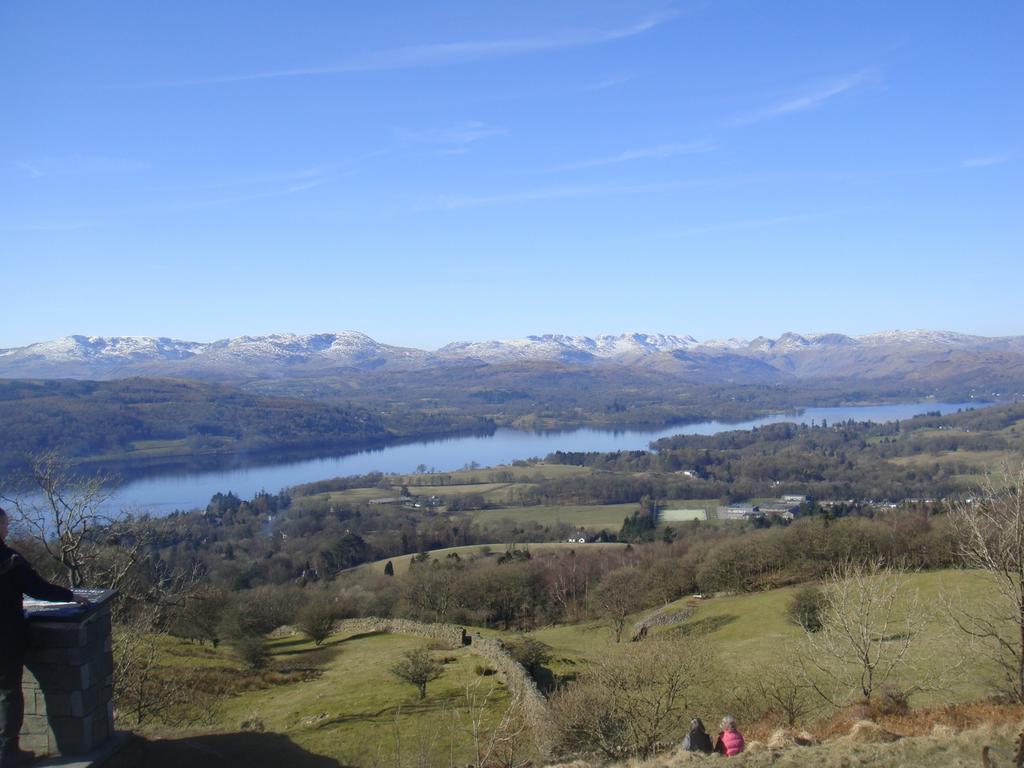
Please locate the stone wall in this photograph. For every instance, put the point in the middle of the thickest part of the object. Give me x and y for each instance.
(663, 617)
(68, 684)
(447, 633)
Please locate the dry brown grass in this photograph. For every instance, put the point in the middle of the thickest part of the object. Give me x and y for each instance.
(942, 737)
(922, 722)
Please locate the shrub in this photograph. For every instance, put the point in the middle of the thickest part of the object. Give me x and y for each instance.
(316, 620)
(252, 651)
(805, 608)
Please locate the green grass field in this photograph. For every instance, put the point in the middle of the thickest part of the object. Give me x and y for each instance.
(490, 552)
(498, 473)
(682, 515)
(592, 517)
(351, 496)
(492, 483)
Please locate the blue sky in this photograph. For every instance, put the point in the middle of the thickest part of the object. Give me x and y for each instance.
(431, 172)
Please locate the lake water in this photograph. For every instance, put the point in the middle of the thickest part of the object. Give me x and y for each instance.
(165, 493)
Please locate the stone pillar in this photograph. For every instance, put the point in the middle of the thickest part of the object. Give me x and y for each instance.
(69, 675)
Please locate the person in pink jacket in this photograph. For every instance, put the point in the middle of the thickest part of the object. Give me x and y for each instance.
(730, 740)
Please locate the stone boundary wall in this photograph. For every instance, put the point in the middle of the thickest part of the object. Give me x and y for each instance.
(494, 650)
(663, 618)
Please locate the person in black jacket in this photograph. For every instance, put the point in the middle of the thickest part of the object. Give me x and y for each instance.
(17, 578)
(697, 740)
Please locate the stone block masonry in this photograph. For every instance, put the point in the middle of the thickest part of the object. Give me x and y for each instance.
(69, 678)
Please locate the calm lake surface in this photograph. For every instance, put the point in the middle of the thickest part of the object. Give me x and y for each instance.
(166, 493)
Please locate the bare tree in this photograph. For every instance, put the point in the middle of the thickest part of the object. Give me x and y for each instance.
(633, 700)
(433, 589)
(145, 689)
(616, 598)
(418, 668)
(68, 514)
(782, 692)
(509, 742)
(990, 531)
(871, 622)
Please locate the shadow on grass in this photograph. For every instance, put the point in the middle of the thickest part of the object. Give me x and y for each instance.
(360, 636)
(297, 640)
(701, 627)
(301, 639)
(387, 715)
(330, 645)
(314, 659)
(252, 750)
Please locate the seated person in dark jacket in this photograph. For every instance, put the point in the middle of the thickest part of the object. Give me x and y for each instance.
(16, 579)
(697, 740)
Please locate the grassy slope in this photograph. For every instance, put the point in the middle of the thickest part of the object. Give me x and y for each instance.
(354, 710)
(752, 631)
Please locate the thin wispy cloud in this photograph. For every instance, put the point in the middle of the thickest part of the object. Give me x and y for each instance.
(290, 189)
(79, 165)
(738, 225)
(455, 135)
(986, 161)
(301, 175)
(212, 195)
(572, 192)
(808, 100)
(47, 226)
(442, 54)
(657, 152)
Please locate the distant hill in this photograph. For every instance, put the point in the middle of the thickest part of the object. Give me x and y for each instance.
(159, 420)
(247, 357)
(919, 357)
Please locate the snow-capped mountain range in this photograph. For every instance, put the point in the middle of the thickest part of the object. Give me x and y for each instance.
(284, 355)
